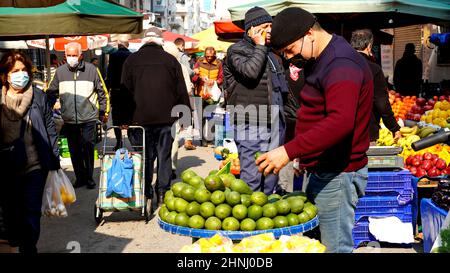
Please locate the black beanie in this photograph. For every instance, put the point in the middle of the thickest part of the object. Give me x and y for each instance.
(290, 25)
(255, 17)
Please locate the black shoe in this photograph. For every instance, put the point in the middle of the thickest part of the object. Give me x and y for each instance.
(78, 184)
(91, 185)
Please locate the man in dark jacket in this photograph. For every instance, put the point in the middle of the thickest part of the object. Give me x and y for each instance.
(256, 80)
(362, 41)
(408, 73)
(118, 95)
(154, 79)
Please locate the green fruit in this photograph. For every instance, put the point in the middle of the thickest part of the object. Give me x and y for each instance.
(214, 183)
(169, 194)
(227, 178)
(182, 219)
(246, 200)
(311, 211)
(227, 192)
(195, 181)
(193, 209)
(296, 204)
(280, 222)
(196, 221)
(308, 204)
(188, 193)
(270, 210)
(213, 223)
(170, 218)
(259, 198)
(230, 224)
(273, 198)
(255, 212)
(213, 172)
(292, 219)
(240, 186)
(303, 218)
(187, 174)
(207, 209)
(177, 188)
(218, 197)
(163, 212)
(248, 225)
(171, 204)
(264, 223)
(222, 211)
(233, 198)
(202, 195)
(181, 205)
(240, 212)
(258, 154)
(283, 207)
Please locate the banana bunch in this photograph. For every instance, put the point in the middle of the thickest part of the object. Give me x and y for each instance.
(426, 131)
(409, 131)
(406, 142)
(385, 138)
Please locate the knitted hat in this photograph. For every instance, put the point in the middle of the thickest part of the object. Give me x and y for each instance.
(255, 17)
(284, 31)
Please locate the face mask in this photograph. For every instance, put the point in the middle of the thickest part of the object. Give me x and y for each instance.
(19, 79)
(72, 61)
(300, 62)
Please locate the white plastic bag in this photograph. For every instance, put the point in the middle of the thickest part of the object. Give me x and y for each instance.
(58, 193)
(213, 92)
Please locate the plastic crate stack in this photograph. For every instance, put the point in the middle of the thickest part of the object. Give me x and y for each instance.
(387, 194)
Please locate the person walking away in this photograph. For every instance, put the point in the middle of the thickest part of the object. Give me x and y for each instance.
(79, 87)
(332, 131)
(154, 80)
(255, 79)
(24, 115)
(172, 49)
(362, 41)
(207, 71)
(408, 73)
(119, 99)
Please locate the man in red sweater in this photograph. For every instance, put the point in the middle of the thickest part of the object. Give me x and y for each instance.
(332, 130)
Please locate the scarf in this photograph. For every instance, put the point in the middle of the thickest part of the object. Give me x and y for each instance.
(15, 106)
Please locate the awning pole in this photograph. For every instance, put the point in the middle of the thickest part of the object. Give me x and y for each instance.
(47, 59)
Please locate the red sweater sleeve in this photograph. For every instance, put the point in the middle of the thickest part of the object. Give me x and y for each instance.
(196, 77)
(341, 87)
(220, 75)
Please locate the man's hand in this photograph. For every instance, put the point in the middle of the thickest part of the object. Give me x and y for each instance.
(274, 161)
(124, 127)
(257, 37)
(104, 118)
(210, 83)
(397, 136)
(196, 71)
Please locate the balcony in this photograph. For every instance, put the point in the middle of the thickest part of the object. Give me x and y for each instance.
(181, 8)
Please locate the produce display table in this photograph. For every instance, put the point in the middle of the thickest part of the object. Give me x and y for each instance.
(238, 235)
(432, 219)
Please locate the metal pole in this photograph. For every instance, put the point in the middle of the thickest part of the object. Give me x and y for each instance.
(47, 59)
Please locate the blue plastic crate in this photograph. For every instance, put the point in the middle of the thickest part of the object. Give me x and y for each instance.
(361, 233)
(384, 206)
(397, 182)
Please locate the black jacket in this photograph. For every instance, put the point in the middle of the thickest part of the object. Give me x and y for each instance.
(381, 106)
(246, 74)
(408, 75)
(155, 81)
(44, 132)
(115, 65)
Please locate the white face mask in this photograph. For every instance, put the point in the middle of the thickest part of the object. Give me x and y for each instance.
(19, 79)
(72, 61)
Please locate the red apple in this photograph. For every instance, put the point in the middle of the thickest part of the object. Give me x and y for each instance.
(417, 117)
(427, 156)
(435, 160)
(438, 172)
(431, 102)
(441, 164)
(435, 98)
(421, 101)
(420, 172)
(428, 108)
(426, 165)
(419, 157)
(444, 172)
(432, 172)
(409, 160)
(442, 98)
(416, 162)
(413, 170)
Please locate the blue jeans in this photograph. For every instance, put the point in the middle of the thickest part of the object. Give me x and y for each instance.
(336, 196)
(249, 140)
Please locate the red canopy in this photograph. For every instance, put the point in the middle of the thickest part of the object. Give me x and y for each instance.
(171, 37)
(226, 30)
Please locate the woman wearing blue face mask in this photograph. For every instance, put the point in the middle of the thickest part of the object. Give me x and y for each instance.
(28, 150)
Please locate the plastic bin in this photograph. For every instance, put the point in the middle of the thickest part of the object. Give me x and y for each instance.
(384, 206)
(361, 233)
(394, 183)
(432, 219)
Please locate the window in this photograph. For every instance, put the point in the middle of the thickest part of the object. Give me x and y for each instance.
(181, 2)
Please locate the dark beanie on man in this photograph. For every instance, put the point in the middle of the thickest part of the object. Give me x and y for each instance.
(255, 17)
(290, 25)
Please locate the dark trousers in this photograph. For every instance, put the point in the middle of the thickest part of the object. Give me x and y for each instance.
(80, 138)
(21, 201)
(158, 145)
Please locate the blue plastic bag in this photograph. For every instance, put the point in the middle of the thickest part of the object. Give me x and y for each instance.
(120, 175)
